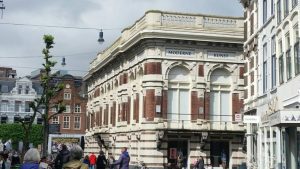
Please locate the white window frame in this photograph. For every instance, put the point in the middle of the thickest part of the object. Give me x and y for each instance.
(66, 121)
(55, 120)
(68, 109)
(67, 96)
(265, 68)
(77, 122)
(77, 108)
(4, 106)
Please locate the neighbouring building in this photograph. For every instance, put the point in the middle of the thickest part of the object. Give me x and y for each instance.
(171, 85)
(72, 122)
(15, 96)
(272, 92)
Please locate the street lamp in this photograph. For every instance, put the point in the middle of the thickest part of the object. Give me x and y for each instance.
(101, 39)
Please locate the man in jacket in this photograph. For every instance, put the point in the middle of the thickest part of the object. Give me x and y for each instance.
(123, 160)
(76, 153)
(92, 160)
(62, 157)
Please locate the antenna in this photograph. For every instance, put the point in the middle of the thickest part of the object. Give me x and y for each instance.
(2, 7)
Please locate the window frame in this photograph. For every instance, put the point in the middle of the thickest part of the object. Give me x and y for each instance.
(68, 109)
(76, 108)
(281, 69)
(55, 121)
(66, 122)
(67, 96)
(279, 17)
(265, 68)
(265, 11)
(77, 123)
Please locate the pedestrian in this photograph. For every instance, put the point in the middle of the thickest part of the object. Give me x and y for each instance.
(180, 161)
(200, 163)
(76, 153)
(44, 163)
(31, 159)
(6, 163)
(62, 157)
(92, 159)
(111, 160)
(123, 160)
(86, 160)
(101, 161)
(15, 159)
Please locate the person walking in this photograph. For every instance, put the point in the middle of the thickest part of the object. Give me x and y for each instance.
(31, 159)
(123, 160)
(86, 160)
(101, 161)
(92, 159)
(111, 160)
(62, 157)
(200, 163)
(76, 153)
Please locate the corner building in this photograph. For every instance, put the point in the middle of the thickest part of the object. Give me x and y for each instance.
(171, 84)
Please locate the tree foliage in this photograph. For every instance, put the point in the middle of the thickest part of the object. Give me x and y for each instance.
(15, 133)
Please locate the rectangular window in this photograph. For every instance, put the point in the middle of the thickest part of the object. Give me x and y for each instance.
(273, 53)
(67, 96)
(27, 107)
(19, 89)
(265, 11)
(286, 7)
(281, 69)
(27, 89)
(273, 71)
(55, 120)
(68, 109)
(77, 108)
(278, 11)
(4, 106)
(4, 89)
(296, 33)
(220, 106)
(178, 101)
(54, 109)
(18, 106)
(66, 122)
(265, 67)
(288, 65)
(297, 58)
(77, 122)
(272, 7)
(280, 46)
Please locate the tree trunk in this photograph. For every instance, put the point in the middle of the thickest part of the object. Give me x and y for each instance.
(46, 135)
(25, 141)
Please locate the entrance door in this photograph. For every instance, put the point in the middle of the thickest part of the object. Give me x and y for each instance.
(219, 154)
(175, 149)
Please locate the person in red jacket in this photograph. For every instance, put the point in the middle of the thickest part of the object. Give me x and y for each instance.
(93, 159)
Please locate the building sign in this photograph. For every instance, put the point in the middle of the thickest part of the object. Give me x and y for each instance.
(251, 119)
(220, 55)
(57, 142)
(285, 117)
(179, 52)
(238, 117)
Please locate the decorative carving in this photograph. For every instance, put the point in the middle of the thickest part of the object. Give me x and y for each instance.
(178, 20)
(219, 22)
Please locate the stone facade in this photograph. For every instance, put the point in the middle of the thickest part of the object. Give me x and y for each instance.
(171, 84)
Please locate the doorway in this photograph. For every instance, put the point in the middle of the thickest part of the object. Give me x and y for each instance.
(219, 154)
(178, 148)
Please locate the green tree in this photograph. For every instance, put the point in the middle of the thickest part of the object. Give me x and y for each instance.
(42, 105)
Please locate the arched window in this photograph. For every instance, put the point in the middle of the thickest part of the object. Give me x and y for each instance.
(179, 94)
(220, 104)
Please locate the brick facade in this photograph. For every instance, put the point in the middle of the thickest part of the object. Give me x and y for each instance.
(152, 68)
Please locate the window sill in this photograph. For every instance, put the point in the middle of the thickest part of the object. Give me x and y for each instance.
(273, 90)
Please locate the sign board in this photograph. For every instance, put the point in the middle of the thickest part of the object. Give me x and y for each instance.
(179, 52)
(251, 119)
(285, 117)
(54, 128)
(220, 55)
(238, 117)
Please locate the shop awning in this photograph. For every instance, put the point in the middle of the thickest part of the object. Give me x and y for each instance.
(287, 117)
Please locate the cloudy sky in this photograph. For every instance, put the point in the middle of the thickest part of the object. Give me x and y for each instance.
(21, 46)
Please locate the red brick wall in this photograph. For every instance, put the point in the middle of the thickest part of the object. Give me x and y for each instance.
(206, 105)
(152, 68)
(136, 108)
(164, 107)
(201, 70)
(150, 104)
(123, 111)
(123, 78)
